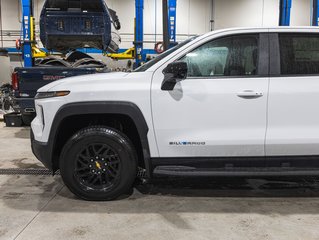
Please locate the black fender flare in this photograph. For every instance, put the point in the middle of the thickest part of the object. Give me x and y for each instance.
(110, 107)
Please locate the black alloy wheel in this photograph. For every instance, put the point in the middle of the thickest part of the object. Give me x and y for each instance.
(97, 167)
(99, 163)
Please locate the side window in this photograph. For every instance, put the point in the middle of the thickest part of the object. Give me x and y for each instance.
(299, 54)
(231, 56)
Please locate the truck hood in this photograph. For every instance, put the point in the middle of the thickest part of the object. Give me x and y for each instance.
(124, 87)
(97, 79)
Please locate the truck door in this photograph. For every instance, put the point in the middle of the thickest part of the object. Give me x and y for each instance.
(220, 109)
(293, 119)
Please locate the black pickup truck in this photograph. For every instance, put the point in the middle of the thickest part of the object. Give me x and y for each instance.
(26, 82)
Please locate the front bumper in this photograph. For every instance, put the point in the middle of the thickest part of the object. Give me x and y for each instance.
(42, 151)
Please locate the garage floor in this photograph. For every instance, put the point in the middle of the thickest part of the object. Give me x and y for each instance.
(40, 207)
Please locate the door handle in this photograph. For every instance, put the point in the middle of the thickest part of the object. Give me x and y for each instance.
(250, 94)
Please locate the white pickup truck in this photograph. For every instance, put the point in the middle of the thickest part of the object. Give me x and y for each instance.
(236, 102)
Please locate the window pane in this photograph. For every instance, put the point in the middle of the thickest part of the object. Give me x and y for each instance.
(299, 54)
(232, 56)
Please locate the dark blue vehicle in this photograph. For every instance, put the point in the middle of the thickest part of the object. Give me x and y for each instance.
(72, 24)
(26, 82)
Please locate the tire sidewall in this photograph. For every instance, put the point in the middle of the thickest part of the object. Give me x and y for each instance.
(118, 142)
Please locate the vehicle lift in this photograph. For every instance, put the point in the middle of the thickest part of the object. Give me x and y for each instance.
(170, 6)
(285, 9)
(137, 51)
(28, 45)
(30, 50)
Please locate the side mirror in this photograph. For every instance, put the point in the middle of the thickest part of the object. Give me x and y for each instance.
(174, 73)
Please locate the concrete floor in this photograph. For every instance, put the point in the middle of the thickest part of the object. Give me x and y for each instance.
(40, 207)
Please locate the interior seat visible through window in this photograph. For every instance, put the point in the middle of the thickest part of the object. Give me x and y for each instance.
(230, 56)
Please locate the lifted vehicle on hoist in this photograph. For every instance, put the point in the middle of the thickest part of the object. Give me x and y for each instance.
(64, 26)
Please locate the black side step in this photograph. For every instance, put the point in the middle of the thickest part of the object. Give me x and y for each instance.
(183, 171)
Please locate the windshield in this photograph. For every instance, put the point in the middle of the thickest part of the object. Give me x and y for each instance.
(160, 57)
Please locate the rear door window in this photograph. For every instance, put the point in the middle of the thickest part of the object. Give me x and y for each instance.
(299, 54)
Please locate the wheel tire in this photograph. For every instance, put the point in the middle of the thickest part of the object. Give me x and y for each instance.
(79, 152)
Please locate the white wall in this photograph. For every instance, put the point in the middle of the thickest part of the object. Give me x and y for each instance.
(10, 14)
(234, 13)
(193, 16)
(301, 13)
(238, 13)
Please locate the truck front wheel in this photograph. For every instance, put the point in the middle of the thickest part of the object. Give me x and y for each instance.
(98, 164)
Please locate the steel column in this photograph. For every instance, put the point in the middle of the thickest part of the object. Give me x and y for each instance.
(172, 20)
(27, 9)
(166, 35)
(285, 9)
(139, 32)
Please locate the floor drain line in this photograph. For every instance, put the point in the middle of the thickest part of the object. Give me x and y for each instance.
(21, 171)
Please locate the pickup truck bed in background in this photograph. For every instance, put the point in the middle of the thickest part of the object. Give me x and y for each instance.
(26, 82)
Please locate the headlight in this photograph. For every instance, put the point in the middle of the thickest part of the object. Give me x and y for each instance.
(42, 95)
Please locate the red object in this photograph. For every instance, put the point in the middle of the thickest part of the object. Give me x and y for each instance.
(18, 44)
(15, 81)
(159, 47)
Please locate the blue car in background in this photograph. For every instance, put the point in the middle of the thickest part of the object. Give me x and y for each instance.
(70, 24)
